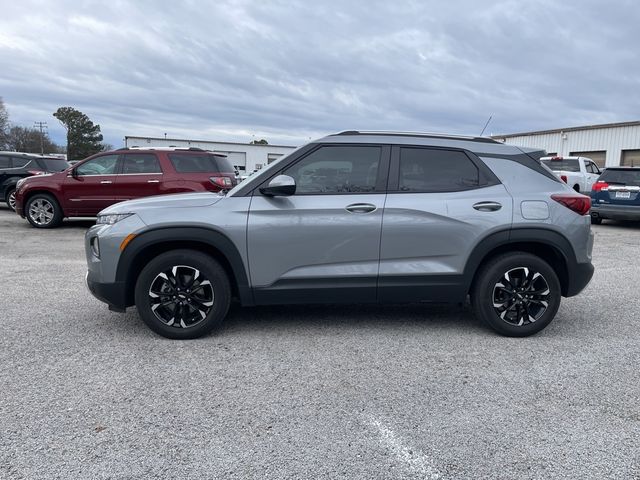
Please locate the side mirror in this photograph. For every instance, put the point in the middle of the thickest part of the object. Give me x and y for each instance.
(280, 186)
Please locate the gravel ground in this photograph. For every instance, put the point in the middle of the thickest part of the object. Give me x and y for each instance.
(417, 391)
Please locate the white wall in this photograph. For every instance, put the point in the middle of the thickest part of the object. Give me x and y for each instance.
(611, 139)
(253, 155)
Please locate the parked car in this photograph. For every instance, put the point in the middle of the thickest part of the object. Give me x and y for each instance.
(580, 173)
(616, 195)
(110, 177)
(354, 217)
(15, 166)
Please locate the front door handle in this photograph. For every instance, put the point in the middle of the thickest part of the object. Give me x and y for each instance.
(106, 182)
(153, 181)
(360, 208)
(487, 206)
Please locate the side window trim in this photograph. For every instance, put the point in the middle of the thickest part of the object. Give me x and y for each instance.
(486, 177)
(381, 180)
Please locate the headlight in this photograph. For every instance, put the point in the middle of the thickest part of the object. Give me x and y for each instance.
(111, 219)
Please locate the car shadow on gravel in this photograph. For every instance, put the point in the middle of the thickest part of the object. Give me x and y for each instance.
(427, 315)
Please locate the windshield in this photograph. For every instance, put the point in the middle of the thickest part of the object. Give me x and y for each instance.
(53, 164)
(566, 165)
(622, 177)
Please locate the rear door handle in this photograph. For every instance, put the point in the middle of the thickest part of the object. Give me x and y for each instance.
(153, 181)
(360, 208)
(487, 206)
(106, 182)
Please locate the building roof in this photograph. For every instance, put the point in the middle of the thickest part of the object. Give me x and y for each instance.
(137, 137)
(570, 129)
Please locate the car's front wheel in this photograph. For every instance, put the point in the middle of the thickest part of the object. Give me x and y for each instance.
(43, 211)
(183, 294)
(517, 294)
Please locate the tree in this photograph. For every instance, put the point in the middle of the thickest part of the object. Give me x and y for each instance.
(83, 137)
(24, 139)
(4, 125)
(259, 142)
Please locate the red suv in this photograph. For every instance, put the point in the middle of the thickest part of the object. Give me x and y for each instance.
(110, 177)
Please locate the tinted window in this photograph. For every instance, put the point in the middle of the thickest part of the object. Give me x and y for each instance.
(52, 164)
(622, 177)
(200, 163)
(339, 169)
(19, 162)
(140, 163)
(566, 164)
(425, 170)
(105, 165)
(5, 162)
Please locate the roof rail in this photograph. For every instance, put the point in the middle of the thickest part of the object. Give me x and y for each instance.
(416, 134)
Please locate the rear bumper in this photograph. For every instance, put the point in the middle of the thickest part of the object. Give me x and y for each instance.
(579, 277)
(113, 294)
(616, 212)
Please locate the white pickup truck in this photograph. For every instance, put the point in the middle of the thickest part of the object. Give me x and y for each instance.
(580, 173)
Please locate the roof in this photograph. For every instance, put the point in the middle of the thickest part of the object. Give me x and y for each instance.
(570, 129)
(204, 141)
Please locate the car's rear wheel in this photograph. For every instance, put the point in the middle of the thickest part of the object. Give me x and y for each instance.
(43, 211)
(517, 294)
(11, 199)
(183, 294)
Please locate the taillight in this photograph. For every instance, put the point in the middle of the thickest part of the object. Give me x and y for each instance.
(35, 172)
(578, 203)
(599, 186)
(222, 182)
(563, 178)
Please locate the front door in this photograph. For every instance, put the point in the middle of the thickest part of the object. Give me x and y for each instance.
(321, 244)
(440, 204)
(93, 187)
(140, 176)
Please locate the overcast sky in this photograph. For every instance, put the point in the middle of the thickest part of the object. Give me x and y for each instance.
(290, 70)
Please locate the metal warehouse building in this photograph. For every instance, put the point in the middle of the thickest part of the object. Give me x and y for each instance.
(246, 157)
(608, 145)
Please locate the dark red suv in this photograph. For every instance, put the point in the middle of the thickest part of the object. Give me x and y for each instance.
(110, 177)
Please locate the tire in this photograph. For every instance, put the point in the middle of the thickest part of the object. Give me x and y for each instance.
(596, 220)
(10, 198)
(43, 211)
(505, 312)
(183, 312)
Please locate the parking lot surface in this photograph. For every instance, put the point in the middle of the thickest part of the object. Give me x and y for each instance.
(416, 391)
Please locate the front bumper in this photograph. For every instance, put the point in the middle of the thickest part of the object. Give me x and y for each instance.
(616, 212)
(113, 294)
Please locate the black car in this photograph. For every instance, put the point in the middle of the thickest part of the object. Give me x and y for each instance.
(16, 165)
(616, 195)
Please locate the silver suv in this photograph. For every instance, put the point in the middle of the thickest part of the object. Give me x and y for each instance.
(354, 217)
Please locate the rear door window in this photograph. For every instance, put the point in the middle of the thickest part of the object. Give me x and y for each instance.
(140, 163)
(200, 163)
(20, 162)
(5, 162)
(431, 170)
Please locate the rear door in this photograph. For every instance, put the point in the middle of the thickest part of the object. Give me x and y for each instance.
(93, 187)
(140, 176)
(321, 244)
(441, 203)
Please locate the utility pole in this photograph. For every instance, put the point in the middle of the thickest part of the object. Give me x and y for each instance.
(42, 126)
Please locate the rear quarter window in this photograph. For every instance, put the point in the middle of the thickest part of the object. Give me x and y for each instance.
(5, 162)
(206, 163)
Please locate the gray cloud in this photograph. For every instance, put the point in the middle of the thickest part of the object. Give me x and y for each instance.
(292, 70)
